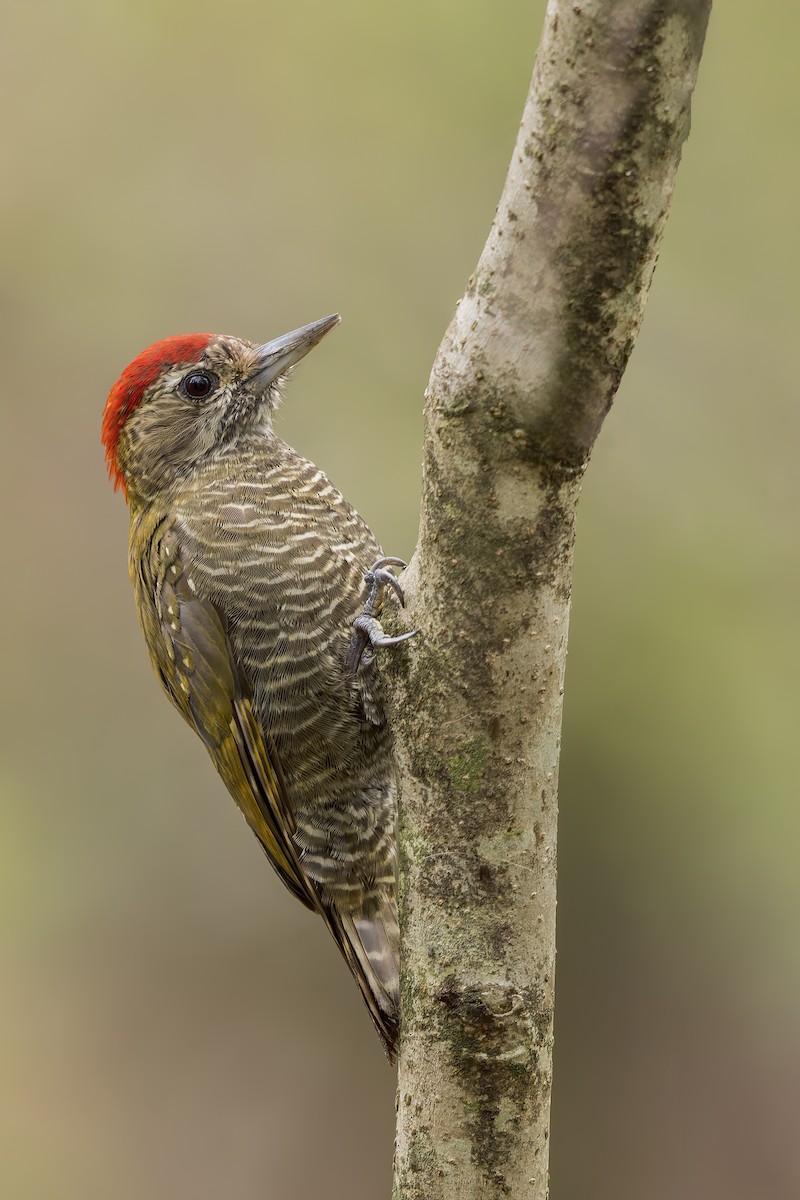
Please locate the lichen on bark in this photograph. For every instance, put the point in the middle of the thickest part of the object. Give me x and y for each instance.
(523, 378)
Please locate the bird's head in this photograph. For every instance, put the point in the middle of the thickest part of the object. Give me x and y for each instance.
(186, 397)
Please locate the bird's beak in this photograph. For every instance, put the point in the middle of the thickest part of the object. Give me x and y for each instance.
(273, 359)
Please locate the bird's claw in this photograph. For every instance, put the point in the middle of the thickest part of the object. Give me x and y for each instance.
(368, 634)
(372, 628)
(376, 580)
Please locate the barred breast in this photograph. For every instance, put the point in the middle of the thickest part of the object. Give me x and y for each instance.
(282, 554)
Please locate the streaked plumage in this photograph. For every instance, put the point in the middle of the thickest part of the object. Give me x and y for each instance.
(248, 568)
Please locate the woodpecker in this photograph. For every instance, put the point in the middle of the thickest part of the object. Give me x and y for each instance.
(259, 591)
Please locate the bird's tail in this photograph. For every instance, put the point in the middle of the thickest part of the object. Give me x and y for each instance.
(371, 946)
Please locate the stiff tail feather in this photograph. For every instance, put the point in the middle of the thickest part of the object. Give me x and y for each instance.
(371, 946)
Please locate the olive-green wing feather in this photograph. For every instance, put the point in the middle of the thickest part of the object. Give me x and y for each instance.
(192, 654)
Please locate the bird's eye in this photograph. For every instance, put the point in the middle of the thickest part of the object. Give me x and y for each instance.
(199, 385)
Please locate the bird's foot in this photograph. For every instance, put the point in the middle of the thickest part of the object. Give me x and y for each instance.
(368, 634)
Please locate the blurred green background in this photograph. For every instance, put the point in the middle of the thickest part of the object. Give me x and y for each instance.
(172, 1023)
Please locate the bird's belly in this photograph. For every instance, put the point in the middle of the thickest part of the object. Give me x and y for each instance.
(307, 708)
(338, 771)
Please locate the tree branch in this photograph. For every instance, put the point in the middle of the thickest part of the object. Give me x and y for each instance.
(523, 378)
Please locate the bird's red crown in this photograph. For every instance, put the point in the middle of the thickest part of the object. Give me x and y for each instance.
(134, 381)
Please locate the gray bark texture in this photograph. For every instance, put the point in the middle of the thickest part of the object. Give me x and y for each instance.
(521, 384)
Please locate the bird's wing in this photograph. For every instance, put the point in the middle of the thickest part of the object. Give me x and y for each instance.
(192, 654)
(193, 657)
